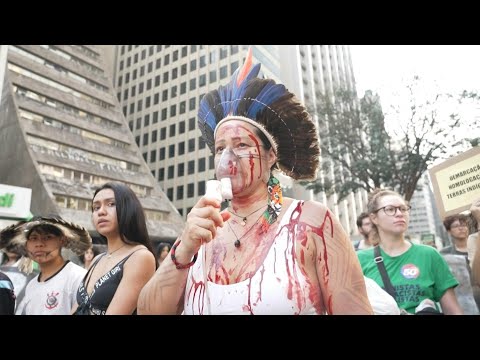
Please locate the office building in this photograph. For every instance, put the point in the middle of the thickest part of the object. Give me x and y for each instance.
(63, 134)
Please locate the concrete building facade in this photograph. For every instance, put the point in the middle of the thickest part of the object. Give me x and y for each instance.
(424, 216)
(311, 70)
(63, 134)
(159, 88)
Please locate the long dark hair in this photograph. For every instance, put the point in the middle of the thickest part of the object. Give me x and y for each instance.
(130, 215)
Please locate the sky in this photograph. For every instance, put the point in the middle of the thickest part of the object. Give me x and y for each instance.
(386, 69)
(382, 67)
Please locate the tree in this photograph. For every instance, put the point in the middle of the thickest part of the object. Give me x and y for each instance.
(360, 152)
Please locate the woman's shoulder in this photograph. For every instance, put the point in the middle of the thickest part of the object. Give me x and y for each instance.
(140, 254)
(315, 213)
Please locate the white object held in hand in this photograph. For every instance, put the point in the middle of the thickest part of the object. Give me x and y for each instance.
(219, 189)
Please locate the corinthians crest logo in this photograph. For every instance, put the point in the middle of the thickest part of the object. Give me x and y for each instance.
(52, 300)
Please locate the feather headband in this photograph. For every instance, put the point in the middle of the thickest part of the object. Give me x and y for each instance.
(273, 110)
(77, 237)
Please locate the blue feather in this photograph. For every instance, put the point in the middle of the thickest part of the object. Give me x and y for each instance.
(269, 94)
(238, 91)
(206, 114)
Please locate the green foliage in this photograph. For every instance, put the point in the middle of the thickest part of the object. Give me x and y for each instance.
(359, 153)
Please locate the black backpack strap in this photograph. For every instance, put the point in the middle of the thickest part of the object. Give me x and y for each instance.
(383, 272)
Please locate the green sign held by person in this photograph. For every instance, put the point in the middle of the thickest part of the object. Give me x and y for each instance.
(6, 200)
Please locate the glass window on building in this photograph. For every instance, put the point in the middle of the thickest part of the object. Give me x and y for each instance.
(171, 171)
(191, 167)
(181, 127)
(202, 80)
(161, 154)
(172, 130)
(223, 72)
(201, 165)
(180, 192)
(163, 133)
(161, 174)
(191, 145)
(191, 124)
(213, 76)
(181, 169)
(183, 107)
(181, 148)
(193, 65)
(171, 151)
(191, 104)
(201, 188)
(170, 194)
(190, 190)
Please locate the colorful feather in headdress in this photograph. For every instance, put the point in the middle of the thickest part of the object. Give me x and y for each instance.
(274, 110)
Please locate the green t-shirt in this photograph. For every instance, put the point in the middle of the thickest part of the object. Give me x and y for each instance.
(419, 273)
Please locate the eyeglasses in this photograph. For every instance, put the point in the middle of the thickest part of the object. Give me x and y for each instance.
(458, 225)
(392, 210)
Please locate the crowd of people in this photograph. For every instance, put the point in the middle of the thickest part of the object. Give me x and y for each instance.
(263, 254)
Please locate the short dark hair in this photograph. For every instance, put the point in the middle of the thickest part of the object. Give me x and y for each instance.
(360, 218)
(449, 220)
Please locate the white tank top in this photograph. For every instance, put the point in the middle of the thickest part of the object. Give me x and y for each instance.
(278, 287)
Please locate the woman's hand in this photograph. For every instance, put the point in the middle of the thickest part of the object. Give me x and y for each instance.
(201, 225)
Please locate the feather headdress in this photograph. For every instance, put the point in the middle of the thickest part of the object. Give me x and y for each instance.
(77, 237)
(273, 110)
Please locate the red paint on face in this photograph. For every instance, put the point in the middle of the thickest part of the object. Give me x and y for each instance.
(257, 145)
(233, 168)
(252, 167)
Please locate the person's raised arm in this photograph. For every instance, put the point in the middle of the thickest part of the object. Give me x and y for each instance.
(164, 292)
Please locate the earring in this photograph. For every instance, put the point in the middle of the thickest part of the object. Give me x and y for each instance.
(275, 202)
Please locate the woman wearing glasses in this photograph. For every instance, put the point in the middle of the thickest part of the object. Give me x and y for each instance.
(419, 275)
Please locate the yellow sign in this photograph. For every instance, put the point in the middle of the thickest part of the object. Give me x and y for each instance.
(456, 182)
